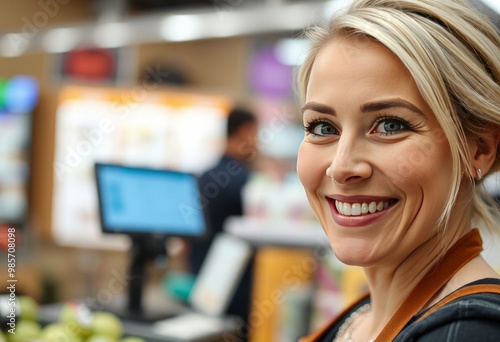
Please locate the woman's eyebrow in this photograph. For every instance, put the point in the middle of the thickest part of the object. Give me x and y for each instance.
(318, 107)
(389, 103)
(367, 107)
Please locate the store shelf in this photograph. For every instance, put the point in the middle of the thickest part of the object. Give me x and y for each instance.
(217, 21)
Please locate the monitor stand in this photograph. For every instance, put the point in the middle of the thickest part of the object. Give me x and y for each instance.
(143, 250)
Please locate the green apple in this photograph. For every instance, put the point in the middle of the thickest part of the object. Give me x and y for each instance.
(77, 318)
(28, 308)
(25, 331)
(132, 339)
(58, 332)
(101, 338)
(106, 324)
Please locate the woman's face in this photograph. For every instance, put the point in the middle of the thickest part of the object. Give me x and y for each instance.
(374, 162)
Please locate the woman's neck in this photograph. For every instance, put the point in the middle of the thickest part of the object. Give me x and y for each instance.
(390, 285)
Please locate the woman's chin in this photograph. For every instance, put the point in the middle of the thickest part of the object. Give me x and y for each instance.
(353, 254)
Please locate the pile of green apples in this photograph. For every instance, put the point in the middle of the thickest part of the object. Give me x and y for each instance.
(26, 324)
(76, 324)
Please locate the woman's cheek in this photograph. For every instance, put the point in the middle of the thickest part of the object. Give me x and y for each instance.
(302, 161)
(308, 167)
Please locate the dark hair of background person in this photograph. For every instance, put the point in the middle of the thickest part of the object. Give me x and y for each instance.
(237, 118)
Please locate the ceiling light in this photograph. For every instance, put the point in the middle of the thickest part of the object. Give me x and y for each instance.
(112, 35)
(13, 44)
(181, 28)
(292, 51)
(60, 40)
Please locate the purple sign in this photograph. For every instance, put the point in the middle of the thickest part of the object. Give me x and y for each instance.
(268, 76)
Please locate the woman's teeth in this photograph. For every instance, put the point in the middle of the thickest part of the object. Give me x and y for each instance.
(356, 209)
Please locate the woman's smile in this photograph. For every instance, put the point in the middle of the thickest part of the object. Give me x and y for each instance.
(358, 212)
(360, 207)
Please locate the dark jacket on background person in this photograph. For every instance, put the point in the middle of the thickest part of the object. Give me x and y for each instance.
(221, 187)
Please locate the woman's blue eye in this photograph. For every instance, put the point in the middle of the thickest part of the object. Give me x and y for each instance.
(387, 126)
(321, 128)
(324, 129)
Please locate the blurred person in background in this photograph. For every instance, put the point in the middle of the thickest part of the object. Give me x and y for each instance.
(402, 121)
(222, 187)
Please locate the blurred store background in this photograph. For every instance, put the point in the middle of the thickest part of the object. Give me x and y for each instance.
(150, 83)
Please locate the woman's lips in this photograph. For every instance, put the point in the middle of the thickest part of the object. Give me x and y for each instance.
(360, 211)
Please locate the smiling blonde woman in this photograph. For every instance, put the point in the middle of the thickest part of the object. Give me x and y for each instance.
(402, 119)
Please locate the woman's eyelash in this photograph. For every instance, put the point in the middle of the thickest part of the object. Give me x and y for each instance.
(390, 117)
(407, 126)
(312, 124)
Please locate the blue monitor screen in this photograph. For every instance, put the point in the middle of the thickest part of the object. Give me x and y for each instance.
(139, 200)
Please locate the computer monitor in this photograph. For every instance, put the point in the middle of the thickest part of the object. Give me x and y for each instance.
(149, 205)
(18, 99)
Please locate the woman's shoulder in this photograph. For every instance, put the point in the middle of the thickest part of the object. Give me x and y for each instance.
(471, 313)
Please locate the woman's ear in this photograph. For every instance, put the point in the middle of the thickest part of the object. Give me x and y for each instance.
(485, 148)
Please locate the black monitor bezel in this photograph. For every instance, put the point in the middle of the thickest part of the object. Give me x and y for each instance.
(142, 234)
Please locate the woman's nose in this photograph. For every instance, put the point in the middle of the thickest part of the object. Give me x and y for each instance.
(350, 162)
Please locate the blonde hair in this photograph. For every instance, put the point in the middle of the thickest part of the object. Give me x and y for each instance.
(453, 54)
